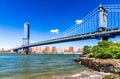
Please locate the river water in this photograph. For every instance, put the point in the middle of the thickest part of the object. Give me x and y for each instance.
(38, 66)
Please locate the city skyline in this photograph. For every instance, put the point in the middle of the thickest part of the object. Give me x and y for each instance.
(47, 19)
(54, 50)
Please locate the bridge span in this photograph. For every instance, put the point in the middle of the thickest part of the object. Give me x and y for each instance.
(93, 35)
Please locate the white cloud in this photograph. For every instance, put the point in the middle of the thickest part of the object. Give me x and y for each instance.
(65, 35)
(78, 21)
(52, 37)
(54, 31)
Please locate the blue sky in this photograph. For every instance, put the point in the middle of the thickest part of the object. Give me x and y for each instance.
(43, 16)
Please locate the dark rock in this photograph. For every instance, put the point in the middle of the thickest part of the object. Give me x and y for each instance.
(105, 65)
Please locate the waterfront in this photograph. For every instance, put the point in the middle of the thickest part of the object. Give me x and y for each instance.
(38, 66)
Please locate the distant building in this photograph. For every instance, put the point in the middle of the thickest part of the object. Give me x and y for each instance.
(2, 49)
(46, 50)
(60, 50)
(43, 51)
(30, 49)
(80, 50)
(12, 51)
(66, 51)
(54, 50)
(71, 49)
(38, 49)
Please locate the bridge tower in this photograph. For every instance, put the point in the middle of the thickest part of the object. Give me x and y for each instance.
(26, 38)
(102, 18)
(26, 33)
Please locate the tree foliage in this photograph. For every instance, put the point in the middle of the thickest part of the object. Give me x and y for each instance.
(104, 49)
(86, 49)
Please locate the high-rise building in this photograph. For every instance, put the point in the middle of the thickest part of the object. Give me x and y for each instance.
(54, 50)
(26, 33)
(48, 49)
(38, 49)
(71, 49)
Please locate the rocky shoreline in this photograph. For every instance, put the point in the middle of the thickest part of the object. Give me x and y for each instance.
(103, 65)
(89, 74)
(102, 69)
(99, 69)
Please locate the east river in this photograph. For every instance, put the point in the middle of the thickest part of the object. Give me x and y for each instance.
(38, 66)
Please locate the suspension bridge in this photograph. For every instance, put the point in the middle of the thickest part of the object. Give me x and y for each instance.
(101, 23)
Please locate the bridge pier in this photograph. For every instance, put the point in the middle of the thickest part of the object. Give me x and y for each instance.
(103, 38)
(22, 50)
(16, 50)
(25, 50)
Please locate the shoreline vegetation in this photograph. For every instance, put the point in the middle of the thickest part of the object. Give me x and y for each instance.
(103, 50)
(5, 51)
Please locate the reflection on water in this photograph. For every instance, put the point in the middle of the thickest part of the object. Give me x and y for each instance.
(41, 66)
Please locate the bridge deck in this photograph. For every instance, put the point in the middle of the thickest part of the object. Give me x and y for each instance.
(92, 35)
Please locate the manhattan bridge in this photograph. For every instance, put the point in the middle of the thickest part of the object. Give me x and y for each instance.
(102, 23)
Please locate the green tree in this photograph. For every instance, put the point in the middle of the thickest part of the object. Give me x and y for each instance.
(105, 44)
(104, 49)
(114, 51)
(86, 49)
